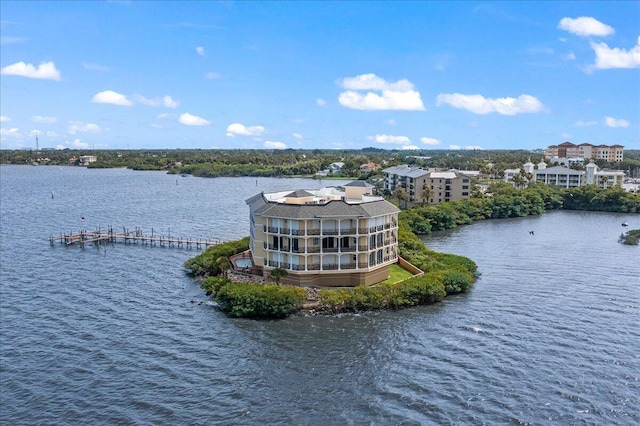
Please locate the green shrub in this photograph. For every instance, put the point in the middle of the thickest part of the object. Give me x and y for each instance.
(457, 280)
(212, 284)
(214, 259)
(260, 301)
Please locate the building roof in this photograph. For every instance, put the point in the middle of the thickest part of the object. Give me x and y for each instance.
(336, 208)
(300, 193)
(359, 183)
(558, 170)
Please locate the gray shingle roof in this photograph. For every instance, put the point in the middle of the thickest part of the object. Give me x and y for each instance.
(330, 209)
(359, 183)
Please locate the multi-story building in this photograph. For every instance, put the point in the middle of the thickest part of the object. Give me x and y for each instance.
(568, 150)
(325, 237)
(427, 186)
(567, 177)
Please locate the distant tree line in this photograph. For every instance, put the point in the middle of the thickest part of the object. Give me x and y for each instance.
(298, 162)
(502, 200)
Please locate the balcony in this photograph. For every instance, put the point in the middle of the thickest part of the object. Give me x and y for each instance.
(313, 249)
(272, 229)
(329, 232)
(284, 231)
(313, 232)
(297, 267)
(313, 267)
(363, 247)
(329, 249)
(363, 265)
(363, 231)
(330, 267)
(347, 266)
(349, 231)
(297, 232)
(347, 249)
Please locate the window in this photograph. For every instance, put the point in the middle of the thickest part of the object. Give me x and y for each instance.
(315, 241)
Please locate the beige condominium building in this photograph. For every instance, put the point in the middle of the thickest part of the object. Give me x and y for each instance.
(325, 237)
(427, 186)
(611, 153)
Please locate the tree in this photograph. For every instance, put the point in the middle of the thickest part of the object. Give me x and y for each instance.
(427, 193)
(278, 273)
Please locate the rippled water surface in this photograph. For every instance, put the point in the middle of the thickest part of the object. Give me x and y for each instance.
(550, 333)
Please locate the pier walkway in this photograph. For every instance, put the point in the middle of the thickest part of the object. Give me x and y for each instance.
(132, 236)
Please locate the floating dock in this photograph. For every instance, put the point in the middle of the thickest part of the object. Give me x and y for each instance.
(132, 236)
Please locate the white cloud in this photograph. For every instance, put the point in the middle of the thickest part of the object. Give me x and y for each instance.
(298, 136)
(212, 75)
(478, 104)
(77, 143)
(75, 127)
(242, 130)
(45, 71)
(275, 145)
(13, 131)
(192, 120)
(4, 119)
(399, 95)
(455, 147)
(391, 122)
(615, 122)
(410, 147)
(111, 97)
(585, 26)
(390, 139)
(583, 123)
(13, 40)
(607, 57)
(165, 115)
(42, 119)
(429, 141)
(321, 102)
(200, 50)
(95, 67)
(570, 56)
(165, 101)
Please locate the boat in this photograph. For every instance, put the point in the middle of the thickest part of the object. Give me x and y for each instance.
(625, 224)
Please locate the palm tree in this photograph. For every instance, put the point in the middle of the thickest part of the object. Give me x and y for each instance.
(427, 192)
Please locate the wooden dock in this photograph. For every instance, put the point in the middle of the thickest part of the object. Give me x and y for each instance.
(132, 236)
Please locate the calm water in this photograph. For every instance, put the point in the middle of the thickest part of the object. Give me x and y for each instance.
(550, 333)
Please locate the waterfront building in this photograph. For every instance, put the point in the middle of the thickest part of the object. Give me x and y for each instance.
(326, 237)
(426, 185)
(567, 177)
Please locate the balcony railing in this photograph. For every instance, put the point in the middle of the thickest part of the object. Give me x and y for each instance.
(329, 249)
(329, 232)
(330, 267)
(363, 265)
(313, 232)
(313, 249)
(349, 231)
(347, 266)
(347, 249)
(272, 229)
(363, 230)
(284, 231)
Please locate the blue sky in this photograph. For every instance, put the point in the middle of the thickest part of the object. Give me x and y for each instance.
(334, 75)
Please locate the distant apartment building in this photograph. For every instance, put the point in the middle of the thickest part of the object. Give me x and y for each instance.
(568, 150)
(427, 186)
(566, 177)
(325, 237)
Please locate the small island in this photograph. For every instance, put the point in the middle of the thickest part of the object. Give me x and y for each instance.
(327, 251)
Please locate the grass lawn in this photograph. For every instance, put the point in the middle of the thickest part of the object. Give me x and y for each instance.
(396, 274)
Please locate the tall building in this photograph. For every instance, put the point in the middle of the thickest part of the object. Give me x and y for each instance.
(568, 150)
(427, 186)
(325, 237)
